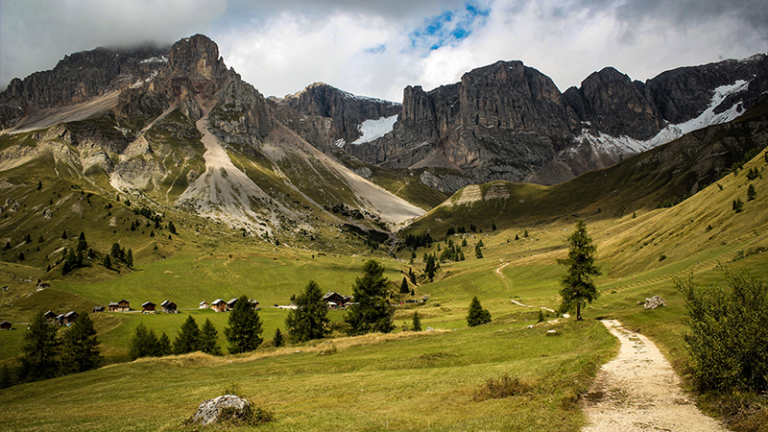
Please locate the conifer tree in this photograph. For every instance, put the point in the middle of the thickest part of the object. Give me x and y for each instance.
(41, 348)
(244, 331)
(80, 348)
(171, 227)
(6, 377)
(164, 345)
(107, 262)
(310, 318)
(28, 238)
(188, 339)
(278, 341)
(477, 315)
(129, 258)
(64, 235)
(416, 322)
(209, 339)
(751, 193)
(404, 287)
(578, 287)
(430, 267)
(81, 243)
(371, 311)
(144, 343)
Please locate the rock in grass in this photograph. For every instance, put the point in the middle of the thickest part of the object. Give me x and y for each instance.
(654, 302)
(211, 410)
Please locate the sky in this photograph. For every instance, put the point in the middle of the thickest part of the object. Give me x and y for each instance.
(378, 47)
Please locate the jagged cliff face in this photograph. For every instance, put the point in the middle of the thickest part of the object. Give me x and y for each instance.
(79, 78)
(508, 121)
(192, 137)
(346, 110)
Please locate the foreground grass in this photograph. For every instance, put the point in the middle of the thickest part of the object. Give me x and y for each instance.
(407, 381)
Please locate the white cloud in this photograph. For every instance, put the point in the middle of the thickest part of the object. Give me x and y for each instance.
(367, 47)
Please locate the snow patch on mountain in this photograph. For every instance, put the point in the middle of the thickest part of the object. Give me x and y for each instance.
(627, 145)
(375, 129)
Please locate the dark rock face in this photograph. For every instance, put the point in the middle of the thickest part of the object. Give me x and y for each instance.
(613, 104)
(346, 110)
(510, 122)
(84, 75)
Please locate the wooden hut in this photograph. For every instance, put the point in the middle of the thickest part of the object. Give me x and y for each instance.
(219, 305)
(148, 307)
(5, 325)
(168, 307)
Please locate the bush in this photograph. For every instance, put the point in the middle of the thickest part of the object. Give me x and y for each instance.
(500, 388)
(728, 342)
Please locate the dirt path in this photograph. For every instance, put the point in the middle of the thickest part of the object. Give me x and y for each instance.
(639, 391)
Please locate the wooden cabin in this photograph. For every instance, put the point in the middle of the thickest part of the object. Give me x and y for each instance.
(335, 300)
(121, 306)
(219, 305)
(68, 318)
(255, 305)
(5, 325)
(98, 309)
(51, 316)
(231, 304)
(203, 305)
(148, 307)
(168, 307)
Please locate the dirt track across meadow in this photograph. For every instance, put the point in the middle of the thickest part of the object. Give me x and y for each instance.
(639, 391)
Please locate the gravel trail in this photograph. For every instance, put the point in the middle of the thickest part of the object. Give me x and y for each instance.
(639, 391)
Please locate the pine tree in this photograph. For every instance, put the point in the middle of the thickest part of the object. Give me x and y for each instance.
(751, 193)
(478, 251)
(144, 343)
(171, 227)
(164, 345)
(107, 262)
(278, 341)
(6, 377)
(188, 339)
(209, 339)
(244, 331)
(430, 267)
(81, 243)
(477, 315)
(371, 311)
(525, 234)
(41, 348)
(129, 258)
(310, 318)
(412, 275)
(416, 322)
(28, 238)
(404, 287)
(578, 287)
(80, 348)
(64, 235)
(115, 252)
(39, 184)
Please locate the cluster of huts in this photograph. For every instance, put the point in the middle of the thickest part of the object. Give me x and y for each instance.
(64, 320)
(220, 305)
(146, 307)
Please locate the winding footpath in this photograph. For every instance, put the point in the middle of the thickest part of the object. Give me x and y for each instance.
(639, 391)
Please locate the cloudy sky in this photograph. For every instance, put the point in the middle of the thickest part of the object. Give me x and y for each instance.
(377, 47)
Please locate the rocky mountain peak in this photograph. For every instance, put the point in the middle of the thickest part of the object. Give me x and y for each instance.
(196, 57)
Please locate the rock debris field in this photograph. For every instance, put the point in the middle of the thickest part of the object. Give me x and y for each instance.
(639, 391)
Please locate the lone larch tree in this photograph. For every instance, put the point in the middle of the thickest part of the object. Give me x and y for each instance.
(578, 287)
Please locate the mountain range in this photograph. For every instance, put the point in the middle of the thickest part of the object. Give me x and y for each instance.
(174, 128)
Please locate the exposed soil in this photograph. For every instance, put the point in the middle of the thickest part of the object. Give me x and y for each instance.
(639, 391)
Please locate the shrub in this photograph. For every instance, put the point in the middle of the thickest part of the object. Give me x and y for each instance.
(728, 341)
(500, 388)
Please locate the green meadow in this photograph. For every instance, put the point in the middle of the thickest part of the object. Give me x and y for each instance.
(401, 381)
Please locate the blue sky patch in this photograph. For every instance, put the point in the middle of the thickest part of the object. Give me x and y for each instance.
(377, 49)
(448, 28)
